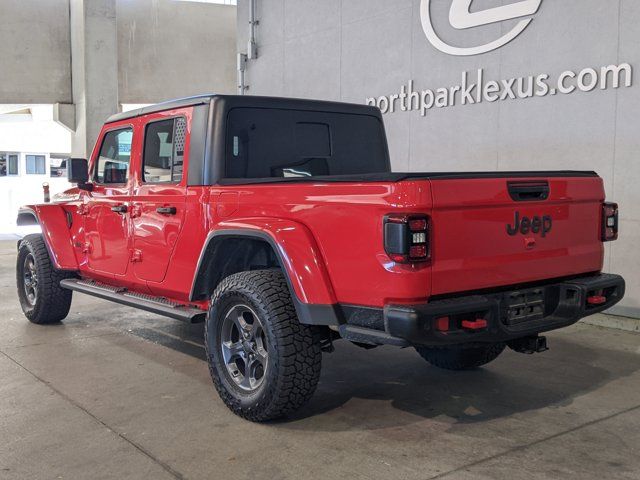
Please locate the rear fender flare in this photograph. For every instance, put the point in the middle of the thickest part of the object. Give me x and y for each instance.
(299, 257)
(54, 223)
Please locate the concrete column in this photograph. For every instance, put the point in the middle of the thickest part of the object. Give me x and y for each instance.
(94, 69)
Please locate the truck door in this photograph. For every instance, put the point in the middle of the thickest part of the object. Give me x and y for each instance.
(159, 196)
(106, 222)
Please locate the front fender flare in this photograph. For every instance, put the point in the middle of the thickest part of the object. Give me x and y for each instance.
(299, 257)
(54, 224)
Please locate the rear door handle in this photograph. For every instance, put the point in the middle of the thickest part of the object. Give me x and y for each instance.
(119, 209)
(167, 210)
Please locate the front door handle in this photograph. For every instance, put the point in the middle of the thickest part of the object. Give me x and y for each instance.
(119, 209)
(167, 210)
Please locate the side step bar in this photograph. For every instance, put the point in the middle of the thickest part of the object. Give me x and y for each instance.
(158, 305)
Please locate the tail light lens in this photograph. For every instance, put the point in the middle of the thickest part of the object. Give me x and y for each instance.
(406, 238)
(609, 221)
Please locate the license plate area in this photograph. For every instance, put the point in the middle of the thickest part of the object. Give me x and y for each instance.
(524, 306)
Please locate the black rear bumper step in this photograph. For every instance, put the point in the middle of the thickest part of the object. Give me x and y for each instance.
(515, 316)
(370, 336)
(158, 305)
(545, 308)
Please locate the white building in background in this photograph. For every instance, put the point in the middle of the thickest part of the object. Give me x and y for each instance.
(32, 152)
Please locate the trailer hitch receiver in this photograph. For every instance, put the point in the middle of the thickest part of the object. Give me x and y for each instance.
(529, 345)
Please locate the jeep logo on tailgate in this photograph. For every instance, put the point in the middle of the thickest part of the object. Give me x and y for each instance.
(525, 225)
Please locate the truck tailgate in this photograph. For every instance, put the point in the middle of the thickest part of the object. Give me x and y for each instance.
(490, 232)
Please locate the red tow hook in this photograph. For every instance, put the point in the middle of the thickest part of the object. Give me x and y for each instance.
(477, 324)
(596, 300)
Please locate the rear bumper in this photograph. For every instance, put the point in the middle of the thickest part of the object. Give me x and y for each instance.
(502, 316)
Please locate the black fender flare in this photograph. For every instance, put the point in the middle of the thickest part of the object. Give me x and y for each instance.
(308, 313)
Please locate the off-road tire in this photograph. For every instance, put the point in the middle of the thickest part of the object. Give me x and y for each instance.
(52, 302)
(293, 349)
(461, 357)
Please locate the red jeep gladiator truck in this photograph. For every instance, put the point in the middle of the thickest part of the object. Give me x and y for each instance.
(279, 223)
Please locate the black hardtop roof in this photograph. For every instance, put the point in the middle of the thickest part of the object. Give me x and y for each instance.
(232, 101)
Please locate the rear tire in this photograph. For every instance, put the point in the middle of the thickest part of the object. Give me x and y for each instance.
(461, 357)
(263, 362)
(42, 298)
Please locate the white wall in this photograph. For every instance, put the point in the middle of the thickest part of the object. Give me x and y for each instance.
(34, 133)
(29, 134)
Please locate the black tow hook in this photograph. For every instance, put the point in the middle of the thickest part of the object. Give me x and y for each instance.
(529, 345)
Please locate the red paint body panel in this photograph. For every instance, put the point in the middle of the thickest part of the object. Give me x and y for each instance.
(472, 251)
(302, 258)
(155, 235)
(186, 251)
(345, 219)
(107, 232)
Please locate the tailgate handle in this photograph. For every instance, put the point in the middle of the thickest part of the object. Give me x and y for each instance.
(528, 191)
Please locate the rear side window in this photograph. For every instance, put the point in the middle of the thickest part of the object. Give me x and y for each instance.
(272, 143)
(115, 153)
(164, 151)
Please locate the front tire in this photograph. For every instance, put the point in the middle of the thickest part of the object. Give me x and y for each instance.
(42, 299)
(263, 362)
(461, 357)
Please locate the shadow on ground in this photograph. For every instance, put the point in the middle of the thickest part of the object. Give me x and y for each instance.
(399, 377)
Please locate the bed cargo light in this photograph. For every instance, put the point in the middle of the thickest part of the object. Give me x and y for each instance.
(609, 222)
(406, 238)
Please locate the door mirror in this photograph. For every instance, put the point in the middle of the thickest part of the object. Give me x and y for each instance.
(77, 170)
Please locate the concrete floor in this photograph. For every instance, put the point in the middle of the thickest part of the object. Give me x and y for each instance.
(117, 393)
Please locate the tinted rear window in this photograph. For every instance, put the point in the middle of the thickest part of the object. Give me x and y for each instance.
(272, 143)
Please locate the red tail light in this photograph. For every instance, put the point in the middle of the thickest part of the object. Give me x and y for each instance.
(406, 238)
(609, 222)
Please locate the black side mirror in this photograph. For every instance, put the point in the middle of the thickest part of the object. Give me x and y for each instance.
(78, 172)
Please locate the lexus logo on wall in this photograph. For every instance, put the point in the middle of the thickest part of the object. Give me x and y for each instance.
(461, 17)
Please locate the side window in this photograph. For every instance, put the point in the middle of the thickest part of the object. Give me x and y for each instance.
(35, 164)
(115, 153)
(13, 164)
(8, 164)
(164, 151)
